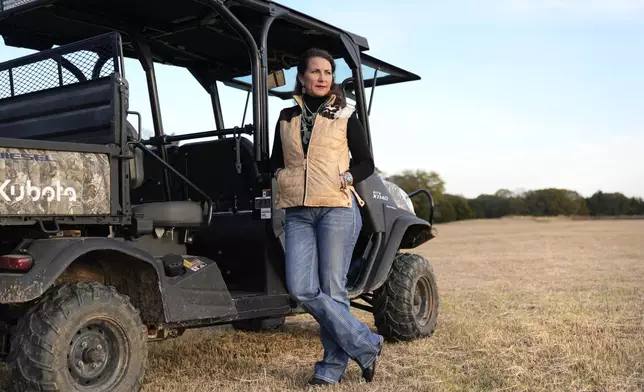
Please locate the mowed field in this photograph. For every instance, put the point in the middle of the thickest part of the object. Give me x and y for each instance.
(525, 305)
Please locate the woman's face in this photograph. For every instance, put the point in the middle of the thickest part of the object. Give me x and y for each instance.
(318, 77)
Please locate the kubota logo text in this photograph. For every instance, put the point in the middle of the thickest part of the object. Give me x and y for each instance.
(50, 193)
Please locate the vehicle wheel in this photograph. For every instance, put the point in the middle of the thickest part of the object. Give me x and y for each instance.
(259, 325)
(406, 306)
(81, 336)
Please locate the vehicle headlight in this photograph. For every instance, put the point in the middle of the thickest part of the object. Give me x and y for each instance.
(400, 197)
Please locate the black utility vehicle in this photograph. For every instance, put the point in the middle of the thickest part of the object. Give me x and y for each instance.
(109, 240)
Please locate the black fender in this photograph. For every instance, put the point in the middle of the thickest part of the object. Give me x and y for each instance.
(51, 257)
(406, 231)
(190, 296)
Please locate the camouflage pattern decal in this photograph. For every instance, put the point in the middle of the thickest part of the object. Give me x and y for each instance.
(43, 182)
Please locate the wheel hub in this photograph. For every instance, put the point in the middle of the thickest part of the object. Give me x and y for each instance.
(423, 302)
(93, 355)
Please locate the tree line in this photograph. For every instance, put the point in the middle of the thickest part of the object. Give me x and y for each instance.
(540, 202)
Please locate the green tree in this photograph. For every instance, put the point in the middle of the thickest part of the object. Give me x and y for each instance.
(580, 207)
(504, 194)
(614, 204)
(636, 206)
(540, 202)
(510, 203)
(456, 208)
(490, 206)
(549, 202)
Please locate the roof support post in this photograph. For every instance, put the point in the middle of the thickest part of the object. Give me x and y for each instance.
(361, 99)
(274, 13)
(145, 57)
(216, 106)
(209, 82)
(259, 108)
(354, 62)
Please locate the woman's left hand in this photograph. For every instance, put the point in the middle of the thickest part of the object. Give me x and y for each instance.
(346, 179)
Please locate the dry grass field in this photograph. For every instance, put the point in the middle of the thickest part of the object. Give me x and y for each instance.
(526, 305)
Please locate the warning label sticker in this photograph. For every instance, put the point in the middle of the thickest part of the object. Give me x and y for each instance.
(194, 265)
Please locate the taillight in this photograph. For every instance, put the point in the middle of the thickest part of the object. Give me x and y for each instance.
(15, 262)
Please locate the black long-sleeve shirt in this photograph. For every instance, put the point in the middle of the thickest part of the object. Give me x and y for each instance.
(362, 165)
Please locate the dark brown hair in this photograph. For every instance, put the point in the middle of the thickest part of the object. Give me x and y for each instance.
(304, 64)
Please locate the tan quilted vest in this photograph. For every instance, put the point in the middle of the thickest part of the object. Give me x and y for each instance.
(314, 180)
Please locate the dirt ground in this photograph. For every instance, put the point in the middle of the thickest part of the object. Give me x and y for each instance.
(526, 305)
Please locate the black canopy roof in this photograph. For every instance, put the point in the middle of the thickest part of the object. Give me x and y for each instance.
(185, 33)
(188, 33)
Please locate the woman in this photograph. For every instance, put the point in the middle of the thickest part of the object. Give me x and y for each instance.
(310, 160)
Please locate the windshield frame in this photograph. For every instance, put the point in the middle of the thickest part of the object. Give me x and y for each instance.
(375, 72)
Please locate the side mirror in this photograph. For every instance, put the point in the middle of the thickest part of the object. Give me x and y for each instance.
(276, 79)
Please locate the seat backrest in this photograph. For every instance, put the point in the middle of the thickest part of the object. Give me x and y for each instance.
(137, 173)
(210, 165)
(81, 113)
(71, 93)
(149, 187)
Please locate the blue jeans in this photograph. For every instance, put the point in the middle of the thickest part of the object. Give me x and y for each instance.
(319, 244)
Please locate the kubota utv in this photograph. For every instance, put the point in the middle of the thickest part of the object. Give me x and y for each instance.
(109, 240)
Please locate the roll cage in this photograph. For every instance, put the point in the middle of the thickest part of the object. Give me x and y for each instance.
(216, 40)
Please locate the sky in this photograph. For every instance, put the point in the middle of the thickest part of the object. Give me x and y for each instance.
(514, 94)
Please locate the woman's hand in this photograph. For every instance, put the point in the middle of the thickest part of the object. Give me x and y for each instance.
(346, 180)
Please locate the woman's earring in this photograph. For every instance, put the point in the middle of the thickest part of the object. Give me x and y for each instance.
(303, 90)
